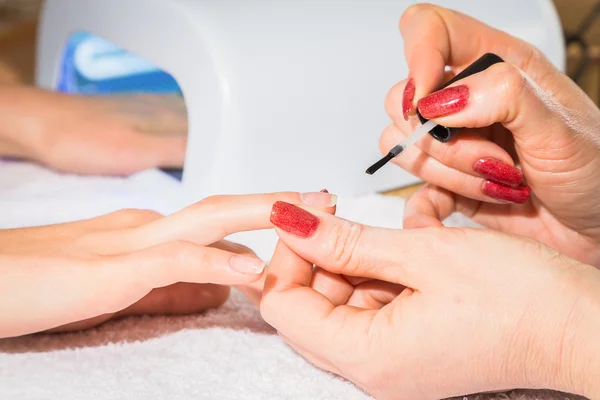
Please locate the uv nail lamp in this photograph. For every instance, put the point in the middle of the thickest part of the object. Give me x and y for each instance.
(281, 95)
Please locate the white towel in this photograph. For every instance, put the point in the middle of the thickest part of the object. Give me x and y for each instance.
(228, 353)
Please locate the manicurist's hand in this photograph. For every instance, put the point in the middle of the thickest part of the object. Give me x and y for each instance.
(100, 135)
(529, 160)
(481, 310)
(77, 275)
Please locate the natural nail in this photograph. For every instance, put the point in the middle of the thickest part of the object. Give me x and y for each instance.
(293, 219)
(444, 102)
(499, 171)
(502, 192)
(408, 97)
(246, 265)
(319, 199)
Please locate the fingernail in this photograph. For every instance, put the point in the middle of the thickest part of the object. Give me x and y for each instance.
(408, 97)
(246, 265)
(502, 192)
(293, 219)
(324, 191)
(444, 102)
(498, 171)
(319, 199)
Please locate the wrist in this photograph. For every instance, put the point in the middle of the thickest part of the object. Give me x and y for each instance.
(581, 339)
(19, 124)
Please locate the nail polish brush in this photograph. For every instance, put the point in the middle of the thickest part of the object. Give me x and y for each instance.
(439, 132)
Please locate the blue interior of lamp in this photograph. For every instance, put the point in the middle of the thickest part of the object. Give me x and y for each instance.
(93, 66)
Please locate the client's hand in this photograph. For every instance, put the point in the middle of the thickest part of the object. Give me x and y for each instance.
(481, 311)
(523, 112)
(80, 274)
(102, 135)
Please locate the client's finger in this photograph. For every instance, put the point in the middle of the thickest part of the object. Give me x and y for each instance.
(315, 320)
(211, 220)
(177, 299)
(333, 286)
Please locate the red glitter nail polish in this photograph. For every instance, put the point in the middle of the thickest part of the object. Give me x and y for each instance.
(293, 219)
(506, 193)
(408, 97)
(444, 102)
(498, 171)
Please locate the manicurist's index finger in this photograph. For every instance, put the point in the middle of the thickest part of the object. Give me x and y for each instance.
(436, 37)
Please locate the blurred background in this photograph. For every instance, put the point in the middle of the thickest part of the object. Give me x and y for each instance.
(580, 19)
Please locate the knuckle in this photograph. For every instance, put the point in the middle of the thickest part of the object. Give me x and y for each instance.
(411, 221)
(450, 152)
(345, 238)
(512, 80)
(538, 249)
(212, 201)
(134, 216)
(267, 307)
(526, 245)
(183, 253)
(413, 10)
(531, 55)
(449, 239)
(177, 261)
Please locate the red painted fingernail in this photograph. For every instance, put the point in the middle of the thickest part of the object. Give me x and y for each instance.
(408, 98)
(502, 192)
(498, 171)
(293, 219)
(324, 191)
(445, 102)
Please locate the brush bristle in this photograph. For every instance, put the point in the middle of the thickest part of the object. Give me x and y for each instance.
(375, 167)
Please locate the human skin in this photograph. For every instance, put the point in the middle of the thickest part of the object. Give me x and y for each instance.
(524, 118)
(77, 275)
(97, 135)
(466, 310)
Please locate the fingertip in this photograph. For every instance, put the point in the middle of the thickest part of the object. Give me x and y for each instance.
(390, 136)
(251, 267)
(411, 12)
(321, 200)
(408, 97)
(394, 99)
(428, 207)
